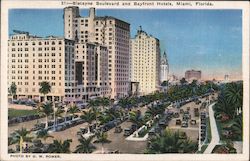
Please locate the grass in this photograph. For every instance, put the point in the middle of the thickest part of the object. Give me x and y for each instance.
(16, 113)
(209, 137)
(203, 148)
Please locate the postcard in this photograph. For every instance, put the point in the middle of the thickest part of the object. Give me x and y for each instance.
(124, 80)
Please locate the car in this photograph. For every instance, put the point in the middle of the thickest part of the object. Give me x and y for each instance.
(193, 122)
(118, 129)
(176, 115)
(163, 123)
(127, 132)
(151, 133)
(184, 124)
(178, 122)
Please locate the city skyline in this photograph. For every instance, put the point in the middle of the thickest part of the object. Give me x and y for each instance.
(209, 36)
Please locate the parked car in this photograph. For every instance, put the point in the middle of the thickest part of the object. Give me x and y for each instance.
(127, 131)
(178, 122)
(193, 122)
(184, 124)
(118, 129)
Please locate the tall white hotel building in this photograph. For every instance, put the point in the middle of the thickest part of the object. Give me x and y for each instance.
(107, 31)
(91, 60)
(145, 62)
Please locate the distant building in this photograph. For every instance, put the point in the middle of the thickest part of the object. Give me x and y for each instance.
(192, 75)
(226, 78)
(145, 62)
(164, 68)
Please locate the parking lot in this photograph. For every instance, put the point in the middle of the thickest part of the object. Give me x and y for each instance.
(118, 142)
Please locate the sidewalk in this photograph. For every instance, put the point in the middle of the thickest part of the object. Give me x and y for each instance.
(214, 131)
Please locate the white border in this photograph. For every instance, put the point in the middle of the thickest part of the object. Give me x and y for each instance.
(57, 4)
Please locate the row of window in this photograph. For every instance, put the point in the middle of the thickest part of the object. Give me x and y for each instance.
(34, 43)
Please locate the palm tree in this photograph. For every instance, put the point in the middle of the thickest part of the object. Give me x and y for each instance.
(237, 127)
(135, 118)
(12, 90)
(73, 109)
(189, 146)
(58, 113)
(59, 146)
(43, 134)
(234, 94)
(44, 89)
(104, 102)
(85, 145)
(123, 102)
(20, 136)
(88, 116)
(170, 142)
(102, 138)
(47, 110)
(96, 112)
(183, 81)
(223, 106)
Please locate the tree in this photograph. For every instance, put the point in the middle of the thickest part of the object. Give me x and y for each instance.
(20, 136)
(234, 94)
(44, 89)
(237, 127)
(165, 83)
(73, 109)
(104, 102)
(43, 134)
(59, 146)
(85, 145)
(12, 90)
(58, 113)
(135, 118)
(47, 110)
(223, 106)
(88, 116)
(183, 81)
(102, 138)
(171, 142)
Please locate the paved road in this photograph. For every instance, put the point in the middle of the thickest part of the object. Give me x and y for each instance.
(214, 131)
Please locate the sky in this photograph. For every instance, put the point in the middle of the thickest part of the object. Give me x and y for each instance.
(206, 40)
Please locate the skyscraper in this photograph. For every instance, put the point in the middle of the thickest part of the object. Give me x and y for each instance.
(145, 62)
(164, 67)
(106, 31)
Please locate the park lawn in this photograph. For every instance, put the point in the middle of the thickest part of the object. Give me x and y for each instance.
(16, 113)
(209, 137)
(203, 148)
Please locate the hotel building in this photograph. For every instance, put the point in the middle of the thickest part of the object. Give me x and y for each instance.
(145, 62)
(105, 31)
(191, 75)
(91, 60)
(32, 60)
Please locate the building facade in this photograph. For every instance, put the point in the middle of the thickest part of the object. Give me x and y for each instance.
(92, 70)
(193, 75)
(164, 67)
(106, 31)
(145, 62)
(32, 60)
